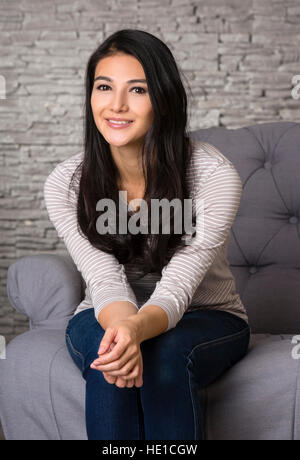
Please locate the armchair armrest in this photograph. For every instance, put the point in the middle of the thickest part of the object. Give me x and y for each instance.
(45, 287)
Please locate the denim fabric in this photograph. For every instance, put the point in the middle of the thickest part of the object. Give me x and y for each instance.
(176, 364)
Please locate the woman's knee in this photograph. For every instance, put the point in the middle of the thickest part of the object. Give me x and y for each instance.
(85, 332)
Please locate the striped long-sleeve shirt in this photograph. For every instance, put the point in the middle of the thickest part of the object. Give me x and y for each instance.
(197, 276)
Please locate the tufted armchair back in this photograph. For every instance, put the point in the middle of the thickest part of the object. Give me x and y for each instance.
(264, 247)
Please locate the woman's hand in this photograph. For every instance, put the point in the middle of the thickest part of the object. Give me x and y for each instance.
(121, 382)
(120, 357)
(118, 381)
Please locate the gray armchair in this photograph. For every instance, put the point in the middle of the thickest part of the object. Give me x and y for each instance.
(42, 392)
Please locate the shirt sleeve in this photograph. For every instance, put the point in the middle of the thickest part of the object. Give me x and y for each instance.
(104, 275)
(216, 204)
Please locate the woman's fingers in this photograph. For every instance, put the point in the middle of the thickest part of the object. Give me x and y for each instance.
(124, 383)
(133, 373)
(109, 378)
(106, 342)
(116, 353)
(116, 371)
(139, 379)
(96, 362)
(106, 363)
(118, 381)
(136, 374)
(121, 366)
(138, 382)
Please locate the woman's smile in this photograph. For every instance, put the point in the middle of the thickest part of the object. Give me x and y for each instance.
(118, 125)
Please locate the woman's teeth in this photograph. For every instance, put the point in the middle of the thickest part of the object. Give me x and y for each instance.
(119, 122)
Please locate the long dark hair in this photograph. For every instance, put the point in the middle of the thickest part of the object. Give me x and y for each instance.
(166, 153)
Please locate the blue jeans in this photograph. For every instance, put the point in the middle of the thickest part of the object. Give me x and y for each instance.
(176, 364)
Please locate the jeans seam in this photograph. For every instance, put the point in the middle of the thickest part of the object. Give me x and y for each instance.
(193, 405)
(203, 346)
(75, 351)
(221, 340)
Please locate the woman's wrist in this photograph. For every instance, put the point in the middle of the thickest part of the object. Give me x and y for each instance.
(115, 311)
(151, 321)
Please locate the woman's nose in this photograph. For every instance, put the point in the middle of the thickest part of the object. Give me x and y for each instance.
(119, 101)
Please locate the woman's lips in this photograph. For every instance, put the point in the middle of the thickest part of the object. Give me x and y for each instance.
(118, 125)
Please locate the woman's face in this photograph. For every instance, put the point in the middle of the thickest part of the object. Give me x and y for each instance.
(114, 96)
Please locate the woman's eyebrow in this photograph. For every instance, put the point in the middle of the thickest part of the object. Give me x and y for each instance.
(101, 77)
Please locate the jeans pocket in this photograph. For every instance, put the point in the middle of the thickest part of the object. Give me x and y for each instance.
(75, 354)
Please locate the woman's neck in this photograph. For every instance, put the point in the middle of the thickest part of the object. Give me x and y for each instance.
(129, 165)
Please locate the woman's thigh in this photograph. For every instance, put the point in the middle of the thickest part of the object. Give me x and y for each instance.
(206, 342)
(178, 362)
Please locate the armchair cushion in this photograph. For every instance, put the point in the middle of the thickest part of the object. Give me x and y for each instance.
(264, 250)
(47, 288)
(42, 392)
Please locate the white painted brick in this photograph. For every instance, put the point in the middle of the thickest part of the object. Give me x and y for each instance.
(224, 48)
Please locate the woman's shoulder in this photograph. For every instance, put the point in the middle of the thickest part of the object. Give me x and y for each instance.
(66, 168)
(60, 177)
(70, 163)
(205, 159)
(207, 154)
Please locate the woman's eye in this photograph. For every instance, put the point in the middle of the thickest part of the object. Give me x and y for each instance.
(138, 87)
(141, 90)
(98, 87)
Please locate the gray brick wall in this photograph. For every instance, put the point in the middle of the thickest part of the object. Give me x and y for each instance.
(239, 57)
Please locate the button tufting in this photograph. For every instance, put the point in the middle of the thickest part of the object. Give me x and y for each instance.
(268, 165)
(252, 270)
(293, 220)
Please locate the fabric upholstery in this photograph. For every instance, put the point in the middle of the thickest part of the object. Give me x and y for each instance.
(264, 248)
(45, 287)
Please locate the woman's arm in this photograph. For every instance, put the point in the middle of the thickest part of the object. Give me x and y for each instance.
(103, 274)
(151, 321)
(115, 311)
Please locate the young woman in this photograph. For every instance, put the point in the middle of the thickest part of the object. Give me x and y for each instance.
(161, 318)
